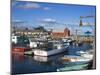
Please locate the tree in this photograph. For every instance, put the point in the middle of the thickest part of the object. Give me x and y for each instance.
(26, 28)
(40, 28)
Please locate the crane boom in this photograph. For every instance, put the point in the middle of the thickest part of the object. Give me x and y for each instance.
(81, 17)
(86, 17)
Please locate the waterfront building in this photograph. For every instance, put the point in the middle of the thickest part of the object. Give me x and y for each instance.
(36, 32)
(63, 34)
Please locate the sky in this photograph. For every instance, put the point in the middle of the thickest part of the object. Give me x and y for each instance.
(53, 16)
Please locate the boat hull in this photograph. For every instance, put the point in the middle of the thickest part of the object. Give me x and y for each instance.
(48, 53)
(20, 49)
(74, 67)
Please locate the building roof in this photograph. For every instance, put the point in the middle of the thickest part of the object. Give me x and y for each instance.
(64, 33)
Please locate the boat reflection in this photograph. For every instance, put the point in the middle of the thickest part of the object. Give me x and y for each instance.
(17, 57)
(48, 59)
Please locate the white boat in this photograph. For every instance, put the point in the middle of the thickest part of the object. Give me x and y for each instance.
(47, 59)
(80, 52)
(89, 56)
(57, 48)
(78, 59)
(71, 62)
(86, 54)
(34, 42)
(72, 67)
(40, 58)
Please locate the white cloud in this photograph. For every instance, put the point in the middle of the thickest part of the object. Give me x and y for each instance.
(29, 6)
(48, 20)
(16, 21)
(46, 8)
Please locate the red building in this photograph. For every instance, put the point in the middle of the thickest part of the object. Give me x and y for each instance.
(63, 34)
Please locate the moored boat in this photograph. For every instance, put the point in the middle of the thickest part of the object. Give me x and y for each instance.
(72, 67)
(86, 54)
(20, 49)
(51, 49)
(78, 59)
(20, 44)
(71, 62)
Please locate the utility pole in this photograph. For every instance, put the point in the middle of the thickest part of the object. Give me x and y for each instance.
(76, 34)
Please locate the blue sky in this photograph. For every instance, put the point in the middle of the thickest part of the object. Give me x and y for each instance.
(53, 15)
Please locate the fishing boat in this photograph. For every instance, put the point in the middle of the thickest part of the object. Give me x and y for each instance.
(20, 44)
(51, 48)
(72, 67)
(80, 52)
(34, 42)
(71, 62)
(47, 59)
(78, 59)
(86, 54)
(20, 49)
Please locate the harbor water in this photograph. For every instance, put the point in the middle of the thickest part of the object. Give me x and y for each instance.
(23, 64)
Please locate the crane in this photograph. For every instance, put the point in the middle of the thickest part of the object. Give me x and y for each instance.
(84, 17)
(81, 24)
(81, 17)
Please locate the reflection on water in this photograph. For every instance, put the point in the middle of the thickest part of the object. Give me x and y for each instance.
(28, 64)
(35, 64)
(47, 59)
